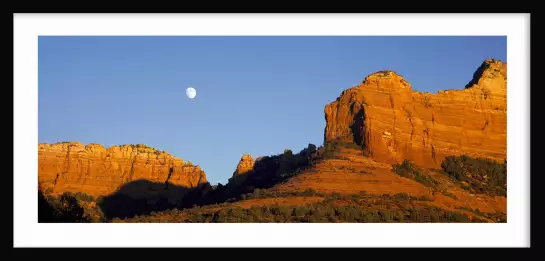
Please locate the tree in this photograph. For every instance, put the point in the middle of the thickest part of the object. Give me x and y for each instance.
(46, 212)
(64, 209)
(70, 208)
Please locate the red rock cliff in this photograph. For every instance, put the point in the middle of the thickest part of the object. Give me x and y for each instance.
(392, 122)
(245, 165)
(96, 170)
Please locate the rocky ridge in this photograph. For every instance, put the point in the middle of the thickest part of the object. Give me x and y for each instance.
(96, 170)
(391, 122)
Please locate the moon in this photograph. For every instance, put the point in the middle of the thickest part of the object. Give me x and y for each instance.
(191, 92)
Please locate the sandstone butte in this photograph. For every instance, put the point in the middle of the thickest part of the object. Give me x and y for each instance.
(96, 170)
(245, 165)
(392, 122)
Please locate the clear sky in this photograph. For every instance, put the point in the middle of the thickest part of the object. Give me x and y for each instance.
(256, 95)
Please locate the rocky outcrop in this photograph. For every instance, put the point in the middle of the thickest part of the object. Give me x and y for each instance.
(96, 170)
(245, 165)
(391, 122)
(266, 171)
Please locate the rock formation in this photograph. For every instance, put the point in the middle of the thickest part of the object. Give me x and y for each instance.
(391, 122)
(245, 165)
(96, 170)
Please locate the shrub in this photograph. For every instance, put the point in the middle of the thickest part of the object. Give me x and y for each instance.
(448, 194)
(402, 196)
(84, 197)
(409, 170)
(477, 175)
(288, 163)
(63, 209)
(391, 210)
(309, 192)
(336, 195)
(386, 216)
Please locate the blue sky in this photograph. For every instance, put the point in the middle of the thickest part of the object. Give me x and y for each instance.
(256, 95)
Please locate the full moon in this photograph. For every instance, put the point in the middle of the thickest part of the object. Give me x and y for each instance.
(191, 92)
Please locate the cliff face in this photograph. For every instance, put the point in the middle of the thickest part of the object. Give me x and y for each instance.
(96, 170)
(392, 123)
(245, 165)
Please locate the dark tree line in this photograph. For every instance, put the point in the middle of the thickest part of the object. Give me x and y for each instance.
(478, 175)
(62, 209)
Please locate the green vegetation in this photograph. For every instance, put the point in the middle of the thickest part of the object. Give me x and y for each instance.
(384, 72)
(288, 163)
(477, 175)
(331, 148)
(361, 207)
(81, 196)
(144, 147)
(448, 194)
(322, 212)
(62, 209)
(408, 170)
(356, 208)
(267, 193)
(68, 208)
(63, 142)
(139, 146)
(497, 217)
(334, 207)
